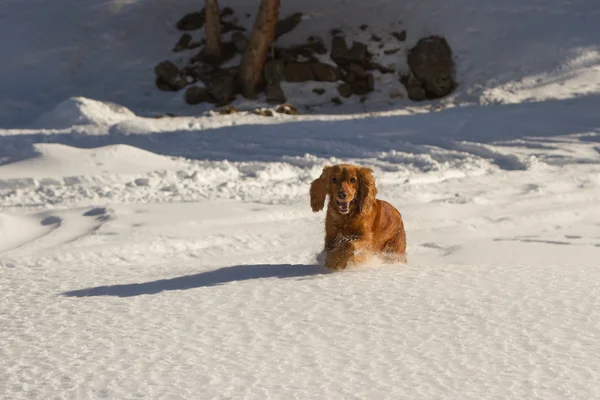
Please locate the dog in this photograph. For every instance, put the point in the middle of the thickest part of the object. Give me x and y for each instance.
(357, 223)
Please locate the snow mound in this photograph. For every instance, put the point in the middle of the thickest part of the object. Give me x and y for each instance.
(58, 160)
(83, 111)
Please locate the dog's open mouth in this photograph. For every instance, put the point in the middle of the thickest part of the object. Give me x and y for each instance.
(343, 207)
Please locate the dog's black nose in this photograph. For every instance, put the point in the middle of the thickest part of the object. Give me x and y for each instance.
(342, 195)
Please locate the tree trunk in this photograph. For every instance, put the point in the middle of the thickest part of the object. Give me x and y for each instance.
(254, 56)
(213, 30)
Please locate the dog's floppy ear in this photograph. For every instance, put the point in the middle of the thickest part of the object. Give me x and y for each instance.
(367, 190)
(318, 190)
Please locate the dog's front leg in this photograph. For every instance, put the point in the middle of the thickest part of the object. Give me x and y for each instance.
(339, 257)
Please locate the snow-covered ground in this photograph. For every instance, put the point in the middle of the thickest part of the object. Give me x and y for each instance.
(174, 258)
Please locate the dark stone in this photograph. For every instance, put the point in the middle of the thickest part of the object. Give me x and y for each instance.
(239, 41)
(319, 91)
(335, 31)
(416, 93)
(363, 86)
(298, 72)
(363, 99)
(431, 62)
(275, 93)
(196, 95)
(287, 24)
(325, 72)
(339, 49)
(358, 52)
(349, 77)
(51, 220)
(191, 21)
(274, 70)
(163, 85)
(357, 70)
(199, 72)
(288, 109)
(401, 36)
(226, 12)
(337, 101)
(376, 38)
(228, 51)
(364, 27)
(391, 51)
(345, 90)
(183, 42)
(221, 88)
(169, 74)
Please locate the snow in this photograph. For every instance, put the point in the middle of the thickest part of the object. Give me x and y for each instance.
(170, 258)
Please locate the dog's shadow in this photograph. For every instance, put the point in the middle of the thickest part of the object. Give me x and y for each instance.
(203, 279)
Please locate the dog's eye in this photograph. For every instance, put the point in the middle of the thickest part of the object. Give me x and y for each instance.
(352, 180)
(334, 180)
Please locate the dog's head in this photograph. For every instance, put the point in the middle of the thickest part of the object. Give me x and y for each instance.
(351, 189)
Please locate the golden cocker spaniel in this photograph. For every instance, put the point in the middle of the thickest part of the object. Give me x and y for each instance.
(357, 224)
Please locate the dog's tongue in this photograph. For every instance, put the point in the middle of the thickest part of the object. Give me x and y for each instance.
(343, 205)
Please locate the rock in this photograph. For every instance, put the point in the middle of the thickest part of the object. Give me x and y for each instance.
(363, 27)
(349, 77)
(199, 72)
(288, 109)
(339, 49)
(169, 74)
(221, 88)
(183, 42)
(325, 72)
(316, 44)
(274, 70)
(191, 21)
(287, 24)
(275, 93)
(196, 95)
(401, 36)
(363, 99)
(226, 12)
(298, 72)
(319, 91)
(416, 93)
(337, 101)
(358, 52)
(430, 62)
(228, 51)
(376, 38)
(391, 51)
(357, 70)
(239, 41)
(335, 31)
(228, 110)
(163, 85)
(363, 86)
(264, 112)
(345, 90)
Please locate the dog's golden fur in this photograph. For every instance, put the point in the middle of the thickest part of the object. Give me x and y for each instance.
(357, 223)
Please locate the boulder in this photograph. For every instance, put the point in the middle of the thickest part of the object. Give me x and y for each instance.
(319, 91)
(196, 95)
(275, 93)
(221, 88)
(191, 21)
(169, 74)
(287, 24)
(183, 42)
(339, 49)
(325, 72)
(401, 36)
(431, 62)
(274, 71)
(345, 90)
(298, 72)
